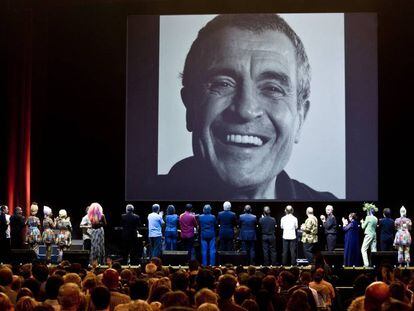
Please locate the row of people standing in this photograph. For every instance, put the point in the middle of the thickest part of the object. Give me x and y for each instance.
(227, 221)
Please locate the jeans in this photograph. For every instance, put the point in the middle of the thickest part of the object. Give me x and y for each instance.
(289, 246)
(248, 247)
(308, 249)
(208, 246)
(170, 241)
(87, 244)
(156, 243)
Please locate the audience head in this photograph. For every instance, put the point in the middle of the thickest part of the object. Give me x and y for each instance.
(208, 307)
(226, 286)
(69, 296)
(73, 278)
(241, 294)
(150, 268)
(5, 303)
(179, 281)
(205, 295)
(110, 278)
(101, 297)
(26, 304)
(6, 276)
(375, 294)
(397, 291)
(298, 301)
(53, 283)
(205, 279)
(40, 272)
(138, 289)
(227, 206)
(175, 299)
(250, 305)
(24, 291)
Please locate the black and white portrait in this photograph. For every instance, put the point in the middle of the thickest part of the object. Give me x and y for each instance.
(248, 107)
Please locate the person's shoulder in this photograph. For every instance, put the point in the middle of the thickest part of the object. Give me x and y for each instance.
(292, 189)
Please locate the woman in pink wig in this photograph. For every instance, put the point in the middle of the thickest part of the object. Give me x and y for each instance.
(98, 221)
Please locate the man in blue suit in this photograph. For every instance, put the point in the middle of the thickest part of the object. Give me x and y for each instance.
(227, 221)
(248, 224)
(208, 236)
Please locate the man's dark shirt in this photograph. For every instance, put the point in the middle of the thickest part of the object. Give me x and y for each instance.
(130, 224)
(386, 228)
(267, 224)
(330, 225)
(227, 221)
(191, 179)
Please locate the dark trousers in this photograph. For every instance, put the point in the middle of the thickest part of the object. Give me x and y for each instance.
(130, 249)
(226, 244)
(330, 242)
(308, 249)
(269, 250)
(386, 244)
(155, 243)
(289, 247)
(248, 247)
(4, 250)
(188, 245)
(87, 244)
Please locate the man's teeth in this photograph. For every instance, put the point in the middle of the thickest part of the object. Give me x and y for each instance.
(244, 139)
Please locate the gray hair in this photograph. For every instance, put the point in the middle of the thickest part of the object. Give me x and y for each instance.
(309, 211)
(129, 208)
(226, 206)
(155, 208)
(207, 209)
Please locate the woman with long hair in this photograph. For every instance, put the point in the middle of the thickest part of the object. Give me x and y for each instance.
(98, 221)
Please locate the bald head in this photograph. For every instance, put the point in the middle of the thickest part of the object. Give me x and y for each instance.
(289, 209)
(266, 210)
(375, 294)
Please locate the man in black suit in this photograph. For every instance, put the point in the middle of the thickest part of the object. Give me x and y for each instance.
(130, 223)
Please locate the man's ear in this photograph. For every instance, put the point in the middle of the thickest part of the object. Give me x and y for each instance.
(302, 114)
(188, 103)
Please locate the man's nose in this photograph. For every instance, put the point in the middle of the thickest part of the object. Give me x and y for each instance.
(246, 106)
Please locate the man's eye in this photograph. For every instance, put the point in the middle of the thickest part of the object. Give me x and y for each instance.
(273, 89)
(220, 86)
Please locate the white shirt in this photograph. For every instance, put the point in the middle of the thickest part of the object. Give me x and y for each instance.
(8, 226)
(86, 232)
(289, 224)
(155, 223)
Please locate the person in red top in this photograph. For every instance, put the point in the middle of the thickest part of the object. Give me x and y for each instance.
(188, 223)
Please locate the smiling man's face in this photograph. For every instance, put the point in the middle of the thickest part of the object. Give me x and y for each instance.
(244, 114)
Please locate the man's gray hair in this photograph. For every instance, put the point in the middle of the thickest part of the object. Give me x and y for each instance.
(257, 23)
(226, 206)
(289, 209)
(129, 208)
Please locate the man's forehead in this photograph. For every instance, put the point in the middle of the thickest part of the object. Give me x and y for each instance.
(238, 46)
(233, 39)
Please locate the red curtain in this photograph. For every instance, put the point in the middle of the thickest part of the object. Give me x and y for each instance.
(19, 79)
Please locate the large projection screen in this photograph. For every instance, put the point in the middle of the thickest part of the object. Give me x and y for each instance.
(327, 152)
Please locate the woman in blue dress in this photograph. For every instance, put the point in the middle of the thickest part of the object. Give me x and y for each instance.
(352, 253)
(171, 221)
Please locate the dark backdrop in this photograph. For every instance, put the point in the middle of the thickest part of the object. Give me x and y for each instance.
(78, 112)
